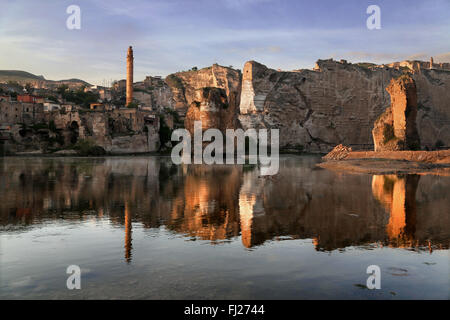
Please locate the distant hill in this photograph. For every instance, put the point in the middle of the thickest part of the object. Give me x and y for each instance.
(24, 77)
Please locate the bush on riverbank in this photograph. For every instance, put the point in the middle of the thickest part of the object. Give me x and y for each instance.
(88, 148)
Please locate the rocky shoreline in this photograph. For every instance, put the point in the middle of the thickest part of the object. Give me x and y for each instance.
(389, 162)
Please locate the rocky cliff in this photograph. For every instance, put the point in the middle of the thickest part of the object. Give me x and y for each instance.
(396, 128)
(185, 88)
(338, 102)
(211, 107)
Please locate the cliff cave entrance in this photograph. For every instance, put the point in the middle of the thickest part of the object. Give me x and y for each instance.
(74, 132)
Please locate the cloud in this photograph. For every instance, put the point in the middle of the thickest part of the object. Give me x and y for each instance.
(239, 4)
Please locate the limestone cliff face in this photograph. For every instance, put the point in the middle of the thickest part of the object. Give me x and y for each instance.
(338, 102)
(211, 108)
(185, 89)
(314, 110)
(396, 128)
(433, 114)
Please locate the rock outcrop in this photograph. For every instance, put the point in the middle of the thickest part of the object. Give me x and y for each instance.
(184, 86)
(338, 153)
(396, 128)
(315, 110)
(211, 107)
(338, 102)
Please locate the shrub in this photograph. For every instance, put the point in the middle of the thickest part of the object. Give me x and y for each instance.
(88, 148)
(439, 144)
(39, 126)
(52, 126)
(164, 131)
(133, 105)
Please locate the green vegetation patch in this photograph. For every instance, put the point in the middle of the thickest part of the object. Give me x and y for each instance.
(88, 147)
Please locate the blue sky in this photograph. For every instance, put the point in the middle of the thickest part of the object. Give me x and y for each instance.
(174, 35)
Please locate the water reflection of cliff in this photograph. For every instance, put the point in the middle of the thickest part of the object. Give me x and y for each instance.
(398, 195)
(219, 203)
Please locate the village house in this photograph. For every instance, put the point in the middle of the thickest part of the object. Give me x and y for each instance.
(28, 98)
(51, 106)
(101, 107)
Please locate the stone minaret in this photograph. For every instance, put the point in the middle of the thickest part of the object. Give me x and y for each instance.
(129, 76)
(431, 63)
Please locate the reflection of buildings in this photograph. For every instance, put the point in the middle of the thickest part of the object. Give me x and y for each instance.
(218, 203)
(205, 209)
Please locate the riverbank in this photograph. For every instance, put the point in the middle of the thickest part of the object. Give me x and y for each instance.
(389, 162)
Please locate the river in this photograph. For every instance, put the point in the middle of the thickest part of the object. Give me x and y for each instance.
(143, 228)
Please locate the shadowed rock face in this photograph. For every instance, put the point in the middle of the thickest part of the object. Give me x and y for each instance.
(396, 128)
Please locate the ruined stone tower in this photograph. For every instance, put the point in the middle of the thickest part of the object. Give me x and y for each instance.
(431, 63)
(129, 76)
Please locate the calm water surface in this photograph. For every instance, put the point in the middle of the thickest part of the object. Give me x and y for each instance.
(140, 227)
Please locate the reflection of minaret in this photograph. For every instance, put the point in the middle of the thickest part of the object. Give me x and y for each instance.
(398, 195)
(128, 230)
(129, 76)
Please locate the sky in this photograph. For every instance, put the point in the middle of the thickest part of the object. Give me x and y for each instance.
(175, 35)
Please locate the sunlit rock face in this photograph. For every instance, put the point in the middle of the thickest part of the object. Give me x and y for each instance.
(184, 86)
(338, 103)
(396, 128)
(211, 108)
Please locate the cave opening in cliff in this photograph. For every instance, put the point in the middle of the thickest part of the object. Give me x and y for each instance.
(74, 132)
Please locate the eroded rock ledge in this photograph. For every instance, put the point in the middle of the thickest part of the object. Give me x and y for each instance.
(389, 162)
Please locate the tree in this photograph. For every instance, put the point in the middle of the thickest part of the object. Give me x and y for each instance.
(29, 88)
(62, 89)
